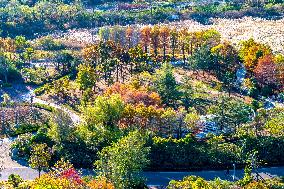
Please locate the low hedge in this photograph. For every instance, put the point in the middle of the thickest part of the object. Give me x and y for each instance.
(24, 128)
(44, 107)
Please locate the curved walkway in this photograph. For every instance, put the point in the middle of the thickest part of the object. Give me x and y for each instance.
(9, 166)
(30, 94)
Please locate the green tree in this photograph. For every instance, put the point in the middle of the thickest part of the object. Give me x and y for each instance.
(226, 63)
(166, 84)
(201, 59)
(61, 127)
(66, 142)
(40, 157)
(107, 52)
(125, 59)
(191, 119)
(86, 77)
(230, 114)
(164, 35)
(187, 92)
(23, 145)
(275, 126)
(64, 59)
(139, 59)
(5, 67)
(174, 35)
(21, 46)
(123, 161)
(106, 111)
(21, 43)
(15, 180)
(28, 53)
(61, 88)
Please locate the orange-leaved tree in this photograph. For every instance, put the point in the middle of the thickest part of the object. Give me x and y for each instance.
(155, 40)
(145, 34)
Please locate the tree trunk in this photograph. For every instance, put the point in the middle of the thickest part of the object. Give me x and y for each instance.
(121, 72)
(183, 54)
(191, 49)
(164, 51)
(105, 75)
(117, 72)
(131, 69)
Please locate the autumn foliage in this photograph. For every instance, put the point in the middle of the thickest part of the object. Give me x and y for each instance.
(265, 71)
(131, 95)
(251, 51)
(100, 183)
(64, 176)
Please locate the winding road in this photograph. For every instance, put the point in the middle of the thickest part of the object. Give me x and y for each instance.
(9, 166)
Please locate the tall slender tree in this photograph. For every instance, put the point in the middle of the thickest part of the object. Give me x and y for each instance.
(174, 41)
(164, 35)
(145, 33)
(155, 40)
(40, 157)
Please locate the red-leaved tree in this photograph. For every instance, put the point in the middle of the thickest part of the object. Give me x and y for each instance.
(265, 71)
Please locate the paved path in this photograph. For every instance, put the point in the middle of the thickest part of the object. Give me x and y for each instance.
(10, 166)
(20, 92)
(27, 97)
(163, 178)
(74, 117)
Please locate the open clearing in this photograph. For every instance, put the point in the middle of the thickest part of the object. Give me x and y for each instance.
(270, 32)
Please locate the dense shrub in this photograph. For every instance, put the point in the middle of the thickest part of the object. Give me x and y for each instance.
(169, 153)
(39, 91)
(24, 128)
(268, 148)
(14, 180)
(198, 182)
(186, 153)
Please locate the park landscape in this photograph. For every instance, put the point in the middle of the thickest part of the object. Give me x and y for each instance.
(124, 94)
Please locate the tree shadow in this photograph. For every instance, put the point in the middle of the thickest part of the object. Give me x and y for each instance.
(19, 160)
(18, 92)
